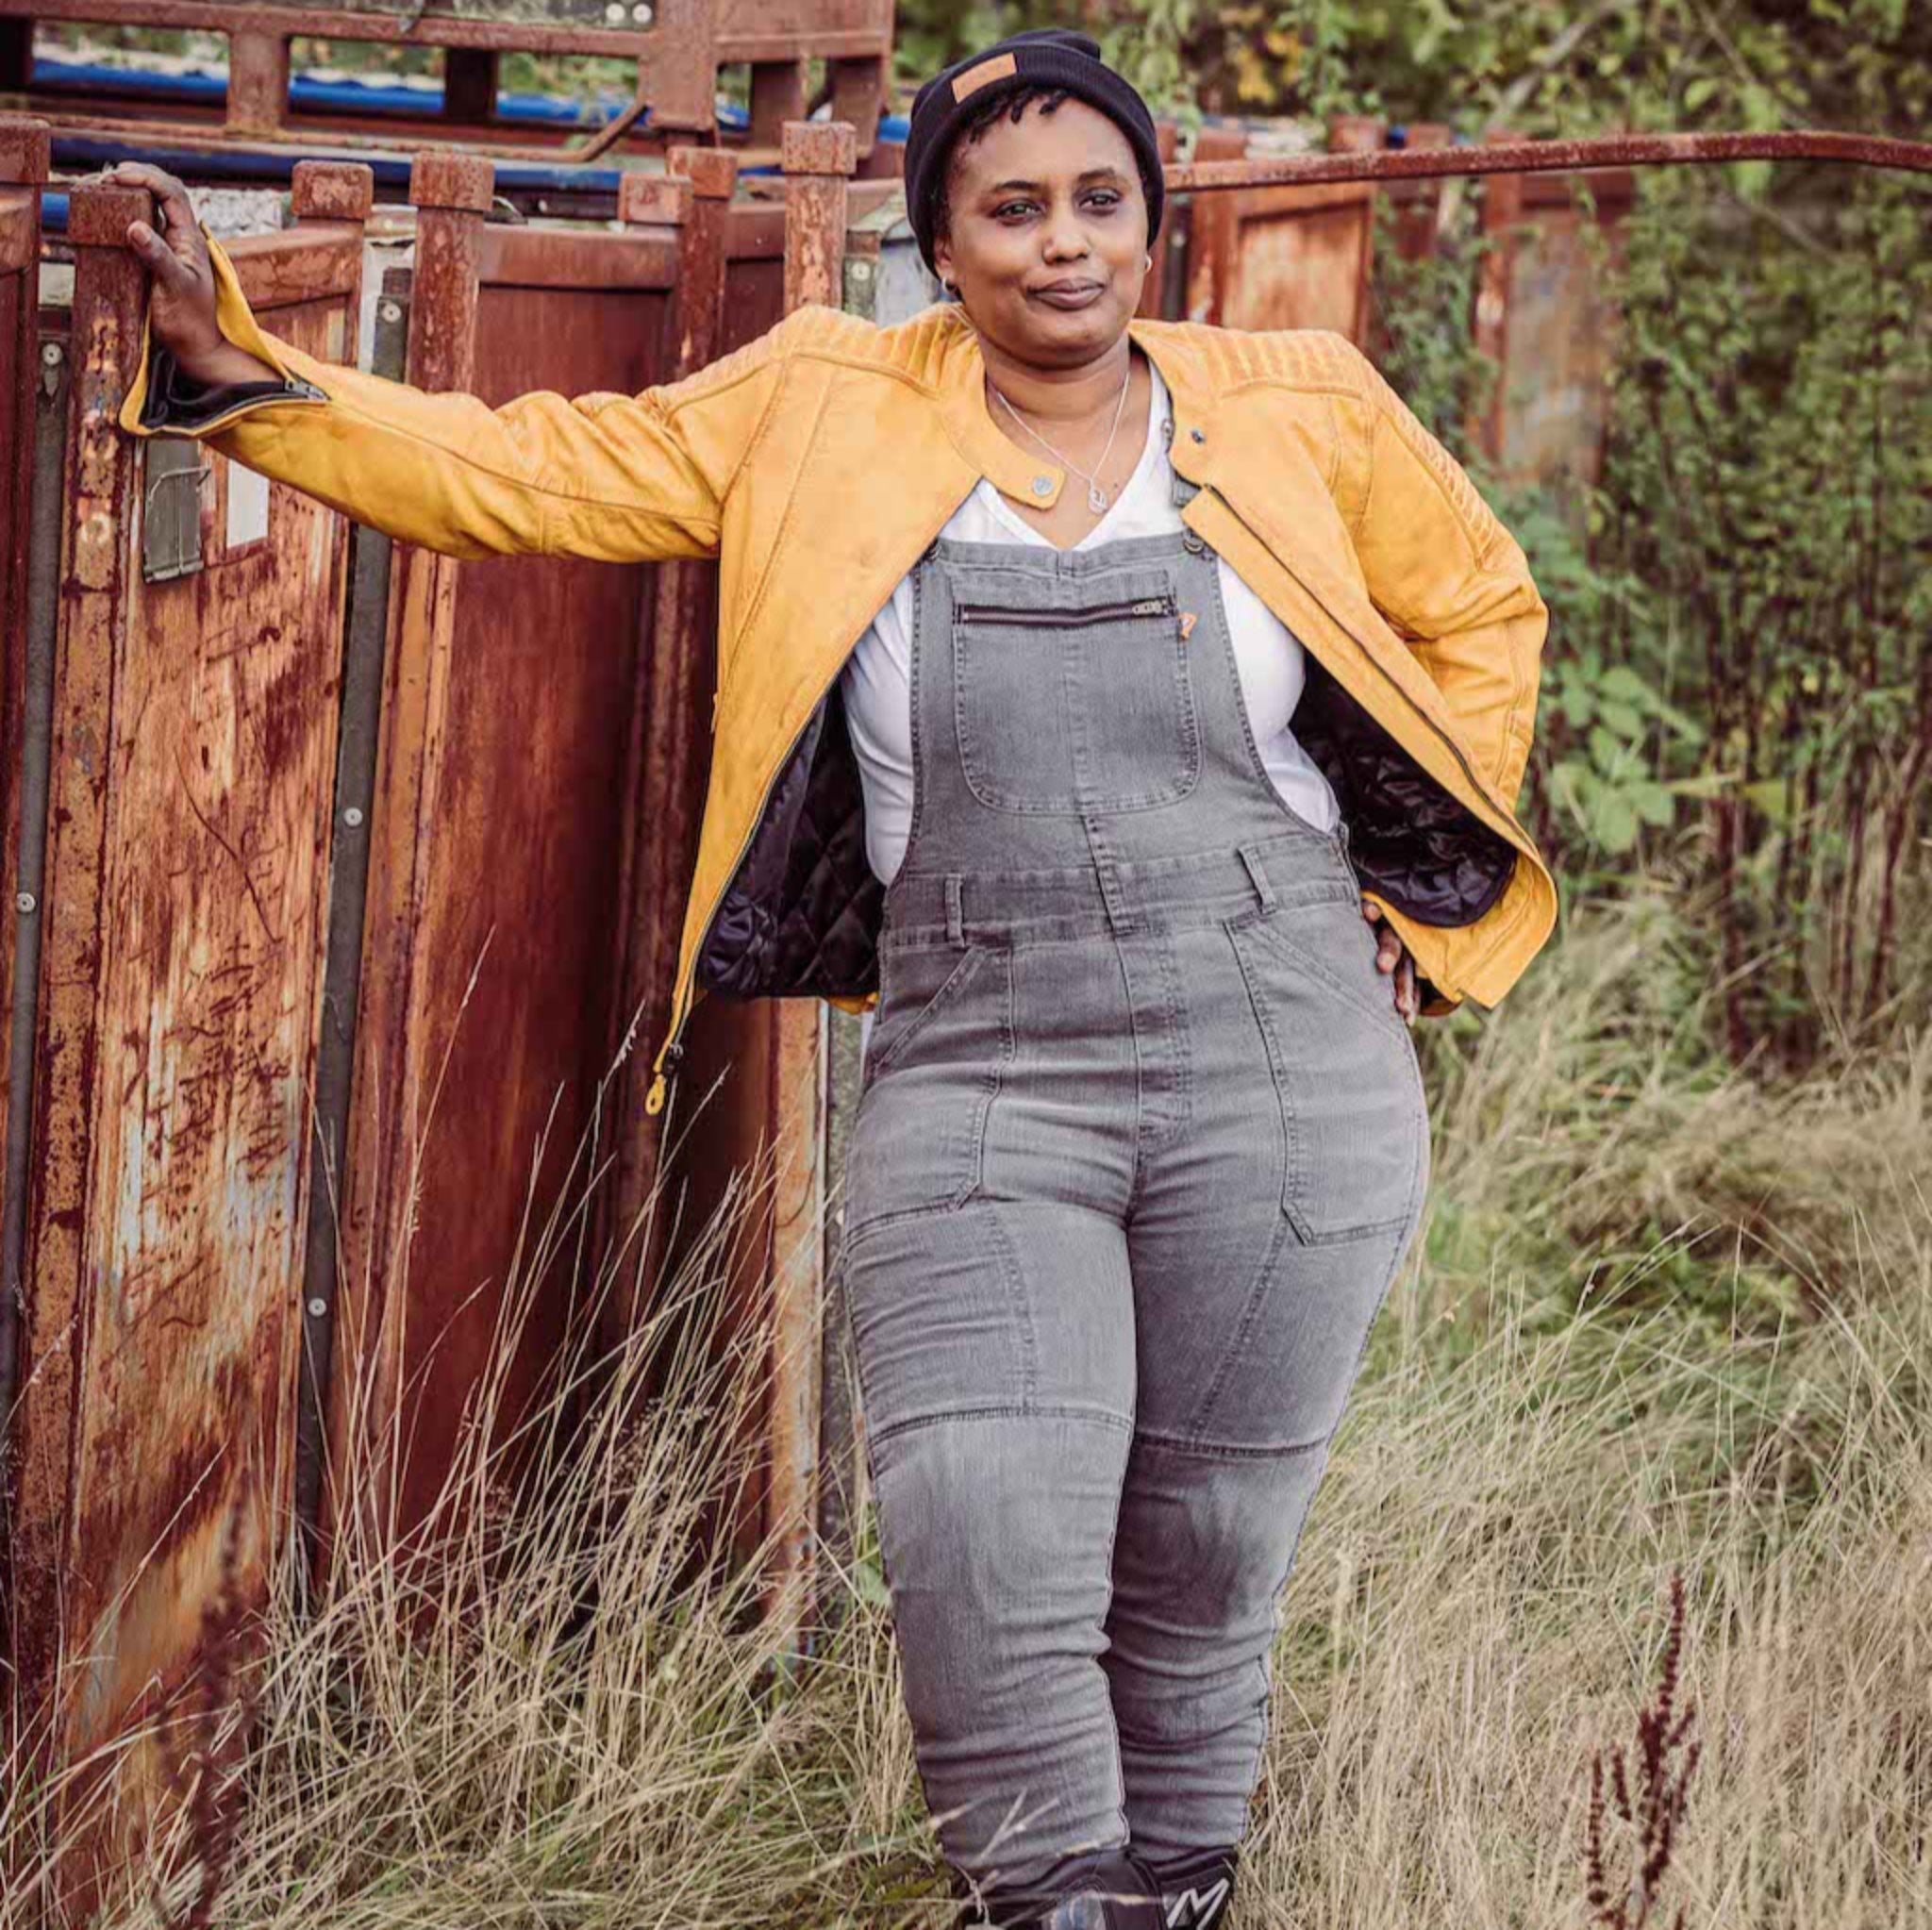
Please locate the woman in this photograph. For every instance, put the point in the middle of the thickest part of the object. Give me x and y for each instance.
(1141, 1139)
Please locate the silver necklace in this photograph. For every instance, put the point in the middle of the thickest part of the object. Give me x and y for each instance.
(1097, 498)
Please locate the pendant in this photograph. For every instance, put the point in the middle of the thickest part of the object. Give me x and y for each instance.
(1096, 501)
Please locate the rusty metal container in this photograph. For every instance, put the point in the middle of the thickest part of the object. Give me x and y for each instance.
(159, 1195)
(260, 934)
(545, 757)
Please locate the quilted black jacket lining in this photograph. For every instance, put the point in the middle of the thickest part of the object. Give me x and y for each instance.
(801, 914)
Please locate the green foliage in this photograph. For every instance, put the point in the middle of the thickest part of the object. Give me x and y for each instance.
(1571, 69)
(1737, 672)
(1767, 501)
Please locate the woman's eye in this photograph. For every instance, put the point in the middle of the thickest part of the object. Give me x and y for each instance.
(1006, 208)
(1105, 199)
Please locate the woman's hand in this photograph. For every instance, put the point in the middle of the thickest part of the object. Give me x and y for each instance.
(181, 305)
(1391, 954)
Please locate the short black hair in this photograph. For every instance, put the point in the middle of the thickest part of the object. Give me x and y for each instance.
(1012, 105)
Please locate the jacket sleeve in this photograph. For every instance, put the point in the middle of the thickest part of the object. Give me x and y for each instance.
(1452, 581)
(615, 477)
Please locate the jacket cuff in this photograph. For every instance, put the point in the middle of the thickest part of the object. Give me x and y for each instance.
(178, 401)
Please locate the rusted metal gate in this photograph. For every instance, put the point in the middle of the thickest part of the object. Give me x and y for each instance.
(1276, 256)
(516, 792)
(1267, 247)
(533, 819)
(161, 1196)
(680, 47)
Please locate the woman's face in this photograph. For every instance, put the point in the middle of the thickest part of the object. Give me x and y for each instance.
(1046, 234)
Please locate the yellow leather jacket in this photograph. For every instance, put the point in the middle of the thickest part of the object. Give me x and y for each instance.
(817, 464)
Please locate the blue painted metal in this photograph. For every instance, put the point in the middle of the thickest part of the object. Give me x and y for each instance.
(209, 88)
(90, 151)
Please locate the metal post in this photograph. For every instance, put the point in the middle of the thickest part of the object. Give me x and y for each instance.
(84, 631)
(777, 98)
(257, 82)
(1361, 134)
(338, 191)
(1501, 209)
(30, 585)
(1169, 247)
(450, 192)
(819, 158)
(469, 84)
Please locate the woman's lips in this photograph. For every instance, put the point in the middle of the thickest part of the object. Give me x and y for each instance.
(1068, 295)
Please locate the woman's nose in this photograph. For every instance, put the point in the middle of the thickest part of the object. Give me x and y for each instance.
(1066, 241)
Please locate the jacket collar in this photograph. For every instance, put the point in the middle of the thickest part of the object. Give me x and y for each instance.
(1036, 480)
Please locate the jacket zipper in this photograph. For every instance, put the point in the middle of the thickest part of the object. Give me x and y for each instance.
(672, 1050)
(1507, 819)
(302, 391)
(1063, 619)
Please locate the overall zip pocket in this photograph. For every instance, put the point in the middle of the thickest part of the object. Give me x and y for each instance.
(1064, 619)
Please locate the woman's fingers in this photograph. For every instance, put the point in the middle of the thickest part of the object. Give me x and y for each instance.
(1389, 948)
(176, 212)
(166, 262)
(1391, 954)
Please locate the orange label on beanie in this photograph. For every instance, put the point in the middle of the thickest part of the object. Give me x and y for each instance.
(999, 68)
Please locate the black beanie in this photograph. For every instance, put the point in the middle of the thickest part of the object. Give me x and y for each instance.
(1048, 56)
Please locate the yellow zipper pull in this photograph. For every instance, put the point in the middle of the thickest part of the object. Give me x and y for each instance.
(654, 1099)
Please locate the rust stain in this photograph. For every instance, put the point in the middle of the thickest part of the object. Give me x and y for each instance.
(103, 449)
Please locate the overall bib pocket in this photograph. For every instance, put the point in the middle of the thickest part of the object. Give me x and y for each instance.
(1031, 681)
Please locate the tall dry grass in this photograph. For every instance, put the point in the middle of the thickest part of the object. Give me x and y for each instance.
(1663, 1319)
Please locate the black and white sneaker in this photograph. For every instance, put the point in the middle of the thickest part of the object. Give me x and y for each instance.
(1117, 1894)
(1195, 1891)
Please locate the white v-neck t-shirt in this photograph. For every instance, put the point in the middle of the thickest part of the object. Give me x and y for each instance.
(876, 680)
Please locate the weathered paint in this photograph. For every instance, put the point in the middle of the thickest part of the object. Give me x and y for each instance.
(499, 812)
(193, 760)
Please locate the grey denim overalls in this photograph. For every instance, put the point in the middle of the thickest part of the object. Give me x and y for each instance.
(1141, 1142)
